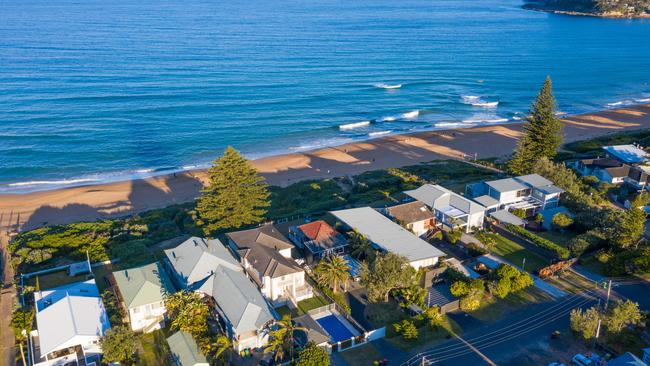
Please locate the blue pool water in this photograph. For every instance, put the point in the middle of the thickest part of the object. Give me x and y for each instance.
(96, 91)
(335, 328)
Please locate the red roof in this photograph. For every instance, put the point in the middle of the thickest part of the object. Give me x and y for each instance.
(317, 230)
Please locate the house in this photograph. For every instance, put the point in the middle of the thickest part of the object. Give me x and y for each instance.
(318, 239)
(207, 267)
(530, 193)
(387, 236)
(142, 292)
(627, 154)
(626, 359)
(450, 209)
(415, 216)
(266, 255)
(184, 350)
(607, 170)
(70, 321)
(638, 177)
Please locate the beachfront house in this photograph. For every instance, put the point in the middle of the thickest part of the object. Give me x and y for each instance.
(450, 209)
(70, 320)
(266, 255)
(415, 216)
(627, 154)
(141, 292)
(185, 351)
(622, 164)
(207, 267)
(317, 239)
(387, 236)
(607, 170)
(531, 193)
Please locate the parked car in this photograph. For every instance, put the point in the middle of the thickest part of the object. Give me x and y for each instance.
(581, 360)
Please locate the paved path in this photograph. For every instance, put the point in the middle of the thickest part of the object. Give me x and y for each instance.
(7, 298)
(494, 261)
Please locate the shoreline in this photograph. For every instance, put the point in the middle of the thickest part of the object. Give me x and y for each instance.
(106, 200)
(543, 9)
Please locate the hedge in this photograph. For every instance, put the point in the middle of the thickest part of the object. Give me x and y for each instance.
(561, 251)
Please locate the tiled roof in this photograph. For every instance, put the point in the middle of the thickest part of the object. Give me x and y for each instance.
(410, 212)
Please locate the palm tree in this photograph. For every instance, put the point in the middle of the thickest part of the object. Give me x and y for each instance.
(332, 271)
(282, 337)
(361, 247)
(217, 348)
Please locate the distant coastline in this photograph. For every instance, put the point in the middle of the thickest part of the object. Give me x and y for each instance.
(562, 7)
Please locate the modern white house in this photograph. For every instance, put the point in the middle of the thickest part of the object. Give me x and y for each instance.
(531, 193)
(450, 209)
(266, 255)
(70, 320)
(415, 216)
(142, 291)
(207, 267)
(388, 236)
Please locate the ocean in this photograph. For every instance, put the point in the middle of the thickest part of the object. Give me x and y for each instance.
(95, 91)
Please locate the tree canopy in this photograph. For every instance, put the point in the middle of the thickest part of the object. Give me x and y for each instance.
(542, 133)
(622, 314)
(312, 355)
(119, 344)
(188, 313)
(388, 272)
(236, 195)
(332, 271)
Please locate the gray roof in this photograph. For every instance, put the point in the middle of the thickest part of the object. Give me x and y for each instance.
(486, 201)
(626, 359)
(627, 153)
(184, 350)
(196, 258)
(534, 180)
(239, 299)
(63, 318)
(438, 197)
(506, 185)
(410, 212)
(386, 234)
(260, 248)
(143, 285)
(315, 333)
(506, 217)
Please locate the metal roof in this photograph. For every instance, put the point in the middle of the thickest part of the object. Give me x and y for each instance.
(506, 217)
(184, 350)
(627, 153)
(534, 180)
(386, 234)
(438, 197)
(71, 319)
(196, 258)
(506, 185)
(487, 201)
(143, 285)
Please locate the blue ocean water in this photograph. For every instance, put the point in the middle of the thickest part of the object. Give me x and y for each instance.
(97, 91)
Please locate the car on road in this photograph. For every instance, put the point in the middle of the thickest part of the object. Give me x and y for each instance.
(581, 360)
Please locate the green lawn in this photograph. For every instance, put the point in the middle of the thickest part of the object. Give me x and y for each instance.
(61, 278)
(592, 264)
(427, 335)
(515, 254)
(362, 356)
(153, 349)
(384, 314)
(560, 238)
(493, 308)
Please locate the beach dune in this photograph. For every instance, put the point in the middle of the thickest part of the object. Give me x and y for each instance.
(31, 210)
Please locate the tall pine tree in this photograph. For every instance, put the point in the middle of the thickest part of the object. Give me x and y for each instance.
(237, 194)
(542, 133)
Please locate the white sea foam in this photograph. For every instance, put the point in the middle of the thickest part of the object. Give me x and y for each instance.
(351, 126)
(449, 124)
(642, 100)
(487, 120)
(486, 104)
(379, 133)
(477, 101)
(621, 103)
(468, 99)
(62, 182)
(388, 86)
(388, 119)
(411, 115)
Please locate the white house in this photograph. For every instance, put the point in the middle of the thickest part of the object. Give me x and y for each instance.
(70, 321)
(142, 292)
(266, 255)
(531, 193)
(415, 216)
(450, 209)
(605, 169)
(207, 267)
(388, 236)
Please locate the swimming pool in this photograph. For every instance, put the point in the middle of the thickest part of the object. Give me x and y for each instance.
(337, 330)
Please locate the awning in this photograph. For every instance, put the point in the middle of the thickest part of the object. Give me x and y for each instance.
(505, 217)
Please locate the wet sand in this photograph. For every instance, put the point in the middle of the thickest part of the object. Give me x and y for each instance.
(31, 210)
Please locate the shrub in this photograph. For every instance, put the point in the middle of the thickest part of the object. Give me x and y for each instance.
(407, 329)
(562, 221)
(578, 245)
(475, 250)
(539, 241)
(453, 236)
(520, 213)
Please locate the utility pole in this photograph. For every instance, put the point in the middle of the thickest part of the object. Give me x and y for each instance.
(609, 291)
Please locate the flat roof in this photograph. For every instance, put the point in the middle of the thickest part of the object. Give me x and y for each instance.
(386, 234)
(627, 153)
(487, 201)
(506, 185)
(507, 217)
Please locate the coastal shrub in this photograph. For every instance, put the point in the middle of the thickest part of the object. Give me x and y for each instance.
(407, 329)
(539, 241)
(305, 197)
(453, 236)
(562, 221)
(520, 213)
(507, 279)
(578, 245)
(475, 250)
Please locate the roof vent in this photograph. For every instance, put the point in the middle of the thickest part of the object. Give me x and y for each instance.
(126, 274)
(173, 254)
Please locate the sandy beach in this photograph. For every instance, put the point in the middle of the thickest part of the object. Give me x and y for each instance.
(31, 210)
